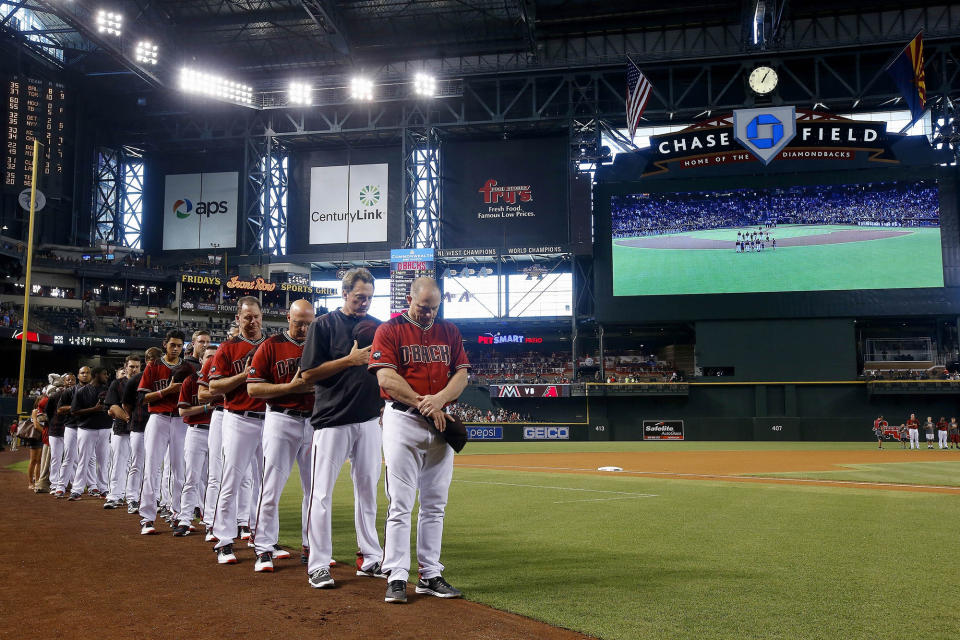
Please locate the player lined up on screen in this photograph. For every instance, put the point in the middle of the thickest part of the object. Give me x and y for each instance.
(893, 204)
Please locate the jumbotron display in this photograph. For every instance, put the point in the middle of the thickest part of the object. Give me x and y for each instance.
(880, 235)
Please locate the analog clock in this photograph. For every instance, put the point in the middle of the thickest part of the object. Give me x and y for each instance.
(762, 80)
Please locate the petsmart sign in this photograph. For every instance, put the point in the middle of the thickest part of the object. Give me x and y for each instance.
(200, 210)
(348, 204)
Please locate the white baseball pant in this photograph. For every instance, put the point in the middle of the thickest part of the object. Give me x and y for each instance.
(241, 446)
(417, 457)
(195, 458)
(249, 496)
(56, 460)
(93, 454)
(137, 460)
(331, 447)
(120, 465)
(942, 439)
(167, 482)
(163, 433)
(285, 439)
(914, 438)
(68, 468)
(214, 466)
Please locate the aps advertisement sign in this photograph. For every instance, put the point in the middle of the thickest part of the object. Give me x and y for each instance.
(200, 210)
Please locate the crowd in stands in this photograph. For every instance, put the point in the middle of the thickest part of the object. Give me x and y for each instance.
(933, 373)
(468, 413)
(894, 204)
(10, 316)
(532, 367)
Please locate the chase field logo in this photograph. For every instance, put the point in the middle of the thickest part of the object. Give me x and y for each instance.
(369, 195)
(182, 208)
(765, 132)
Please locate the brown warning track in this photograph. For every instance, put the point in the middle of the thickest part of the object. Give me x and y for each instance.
(74, 570)
(692, 242)
(728, 466)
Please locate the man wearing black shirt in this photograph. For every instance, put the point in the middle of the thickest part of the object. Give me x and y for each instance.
(93, 435)
(120, 439)
(68, 468)
(345, 419)
(135, 406)
(57, 431)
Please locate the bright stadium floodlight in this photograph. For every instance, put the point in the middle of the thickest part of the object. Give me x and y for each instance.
(209, 84)
(109, 22)
(361, 89)
(146, 52)
(424, 85)
(300, 93)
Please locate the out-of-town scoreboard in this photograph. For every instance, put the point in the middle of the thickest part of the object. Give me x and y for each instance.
(35, 110)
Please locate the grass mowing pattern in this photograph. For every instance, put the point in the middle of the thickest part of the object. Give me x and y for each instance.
(913, 260)
(943, 473)
(702, 559)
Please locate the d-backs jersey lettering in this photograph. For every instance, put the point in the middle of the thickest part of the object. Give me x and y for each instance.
(231, 359)
(424, 356)
(156, 377)
(188, 398)
(276, 362)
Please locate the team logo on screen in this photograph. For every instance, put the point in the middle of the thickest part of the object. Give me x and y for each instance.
(765, 132)
(369, 195)
(182, 208)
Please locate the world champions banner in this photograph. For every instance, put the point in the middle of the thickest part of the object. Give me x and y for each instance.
(504, 193)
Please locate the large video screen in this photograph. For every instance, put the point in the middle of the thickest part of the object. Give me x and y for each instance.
(878, 235)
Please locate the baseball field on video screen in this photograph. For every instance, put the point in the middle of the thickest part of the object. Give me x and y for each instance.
(806, 258)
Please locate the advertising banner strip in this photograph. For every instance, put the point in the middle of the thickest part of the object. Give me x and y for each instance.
(529, 390)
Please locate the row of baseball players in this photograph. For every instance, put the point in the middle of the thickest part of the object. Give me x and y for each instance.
(316, 394)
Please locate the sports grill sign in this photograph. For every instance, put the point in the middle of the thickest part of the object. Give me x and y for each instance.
(200, 210)
(663, 429)
(348, 204)
(767, 134)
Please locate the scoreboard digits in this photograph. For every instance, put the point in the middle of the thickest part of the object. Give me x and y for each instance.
(36, 110)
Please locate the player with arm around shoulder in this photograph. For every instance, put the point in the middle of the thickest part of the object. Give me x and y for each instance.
(344, 423)
(421, 367)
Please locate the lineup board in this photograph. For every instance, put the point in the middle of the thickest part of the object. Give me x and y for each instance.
(406, 265)
(35, 110)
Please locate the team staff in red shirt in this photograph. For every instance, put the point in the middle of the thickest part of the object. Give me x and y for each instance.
(242, 424)
(196, 415)
(913, 428)
(165, 429)
(287, 435)
(421, 367)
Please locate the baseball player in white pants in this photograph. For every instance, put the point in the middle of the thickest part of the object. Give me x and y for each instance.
(274, 376)
(913, 429)
(120, 439)
(421, 367)
(242, 425)
(93, 436)
(165, 429)
(346, 424)
(197, 416)
(68, 468)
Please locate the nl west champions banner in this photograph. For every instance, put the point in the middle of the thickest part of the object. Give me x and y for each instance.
(502, 194)
(200, 210)
(348, 204)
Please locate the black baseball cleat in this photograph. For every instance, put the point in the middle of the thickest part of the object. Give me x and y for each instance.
(197, 514)
(181, 530)
(133, 507)
(225, 555)
(304, 555)
(373, 571)
(321, 578)
(396, 592)
(437, 587)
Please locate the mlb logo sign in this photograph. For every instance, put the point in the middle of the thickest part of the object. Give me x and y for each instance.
(765, 132)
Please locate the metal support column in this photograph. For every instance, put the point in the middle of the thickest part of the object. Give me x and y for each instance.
(421, 187)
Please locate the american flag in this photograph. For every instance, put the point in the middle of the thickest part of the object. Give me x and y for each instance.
(638, 93)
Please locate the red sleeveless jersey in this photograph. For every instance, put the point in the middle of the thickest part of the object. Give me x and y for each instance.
(156, 377)
(231, 358)
(276, 362)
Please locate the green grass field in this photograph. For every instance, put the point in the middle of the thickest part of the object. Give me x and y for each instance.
(913, 260)
(626, 557)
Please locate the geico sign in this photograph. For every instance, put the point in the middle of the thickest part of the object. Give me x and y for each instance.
(546, 433)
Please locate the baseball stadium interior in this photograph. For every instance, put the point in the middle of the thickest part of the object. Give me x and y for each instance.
(694, 221)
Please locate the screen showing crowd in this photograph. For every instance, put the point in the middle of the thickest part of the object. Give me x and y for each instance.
(879, 235)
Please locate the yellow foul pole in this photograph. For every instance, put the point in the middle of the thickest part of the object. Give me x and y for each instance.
(26, 290)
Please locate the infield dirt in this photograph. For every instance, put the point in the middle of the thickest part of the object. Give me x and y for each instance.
(75, 570)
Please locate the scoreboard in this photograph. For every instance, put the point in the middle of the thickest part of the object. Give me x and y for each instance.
(35, 110)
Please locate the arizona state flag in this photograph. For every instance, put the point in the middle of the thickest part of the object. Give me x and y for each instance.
(907, 72)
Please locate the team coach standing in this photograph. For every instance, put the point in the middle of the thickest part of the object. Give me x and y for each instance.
(421, 368)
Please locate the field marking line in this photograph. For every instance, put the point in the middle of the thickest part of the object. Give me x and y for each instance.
(715, 476)
(626, 494)
(603, 499)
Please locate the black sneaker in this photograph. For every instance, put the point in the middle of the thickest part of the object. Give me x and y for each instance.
(396, 592)
(197, 514)
(111, 504)
(181, 530)
(373, 572)
(321, 578)
(133, 507)
(437, 587)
